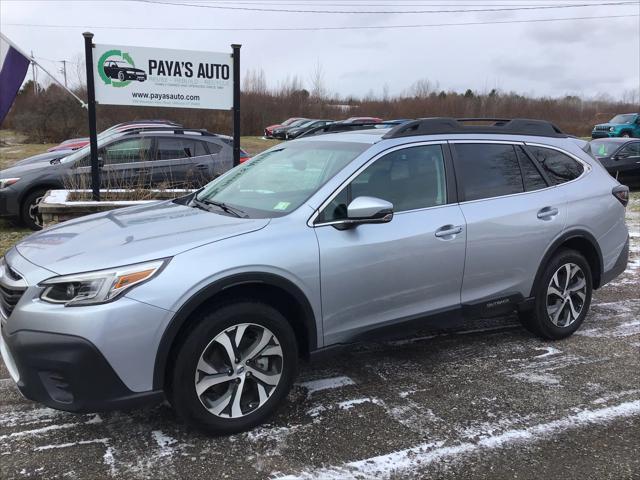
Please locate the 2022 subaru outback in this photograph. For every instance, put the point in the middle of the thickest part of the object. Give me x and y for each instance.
(210, 300)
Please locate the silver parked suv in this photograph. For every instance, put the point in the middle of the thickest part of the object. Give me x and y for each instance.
(211, 299)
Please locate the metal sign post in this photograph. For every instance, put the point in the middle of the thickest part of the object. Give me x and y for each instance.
(236, 103)
(93, 135)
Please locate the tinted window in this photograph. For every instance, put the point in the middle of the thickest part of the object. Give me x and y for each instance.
(170, 148)
(560, 168)
(632, 150)
(410, 178)
(126, 151)
(487, 170)
(533, 179)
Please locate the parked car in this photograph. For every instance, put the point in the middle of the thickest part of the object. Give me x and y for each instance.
(281, 131)
(76, 143)
(210, 300)
(268, 131)
(295, 132)
(362, 120)
(620, 156)
(142, 158)
(624, 125)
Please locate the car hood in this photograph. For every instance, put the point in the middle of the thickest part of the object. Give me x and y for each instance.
(42, 159)
(130, 235)
(27, 167)
(271, 127)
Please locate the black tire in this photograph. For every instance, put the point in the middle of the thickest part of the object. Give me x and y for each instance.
(182, 390)
(538, 320)
(121, 76)
(28, 209)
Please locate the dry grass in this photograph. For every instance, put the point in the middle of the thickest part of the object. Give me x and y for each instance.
(13, 149)
(255, 145)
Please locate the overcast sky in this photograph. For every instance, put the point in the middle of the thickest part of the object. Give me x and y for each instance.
(581, 57)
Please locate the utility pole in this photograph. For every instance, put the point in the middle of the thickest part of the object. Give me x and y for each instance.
(33, 74)
(63, 70)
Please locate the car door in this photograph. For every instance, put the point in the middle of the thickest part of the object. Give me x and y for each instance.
(121, 163)
(375, 275)
(181, 162)
(513, 214)
(626, 161)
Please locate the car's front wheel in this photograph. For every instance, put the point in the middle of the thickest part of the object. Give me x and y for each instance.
(121, 76)
(562, 296)
(234, 368)
(29, 213)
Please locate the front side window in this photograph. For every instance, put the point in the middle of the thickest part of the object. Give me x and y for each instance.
(620, 119)
(126, 151)
(411, 178)
(487, 170)
(279, 180)
(560, 168)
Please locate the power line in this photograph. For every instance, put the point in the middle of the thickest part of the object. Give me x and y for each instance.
(298, 29)
(388, 12)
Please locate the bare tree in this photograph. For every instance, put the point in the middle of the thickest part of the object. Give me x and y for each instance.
(318, 88)
(255, 81)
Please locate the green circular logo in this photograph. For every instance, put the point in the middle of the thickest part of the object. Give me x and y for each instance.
(111, 71)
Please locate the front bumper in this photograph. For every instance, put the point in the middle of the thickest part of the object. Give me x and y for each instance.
(9, 202)
(603, 134)
(67, 373)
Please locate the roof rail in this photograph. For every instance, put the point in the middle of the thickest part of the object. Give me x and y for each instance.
(345, 127)
(506, 126)
(163, 128)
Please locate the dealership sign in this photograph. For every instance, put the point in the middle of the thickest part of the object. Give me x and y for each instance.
(156, 77)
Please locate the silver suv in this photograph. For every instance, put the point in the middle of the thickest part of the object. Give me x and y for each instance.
(210, 300)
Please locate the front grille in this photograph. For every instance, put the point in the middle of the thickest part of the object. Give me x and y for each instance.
(12, 287)
(601, 128)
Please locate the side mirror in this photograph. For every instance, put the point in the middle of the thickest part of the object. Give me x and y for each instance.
(621, 156)
(100, 161)
(367, 210)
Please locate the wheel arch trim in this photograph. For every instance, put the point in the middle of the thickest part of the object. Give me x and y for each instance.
(558, 242)
(208, 292)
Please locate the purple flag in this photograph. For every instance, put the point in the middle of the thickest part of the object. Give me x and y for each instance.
(13, 68)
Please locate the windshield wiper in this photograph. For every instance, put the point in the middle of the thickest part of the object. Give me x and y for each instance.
(224, 207)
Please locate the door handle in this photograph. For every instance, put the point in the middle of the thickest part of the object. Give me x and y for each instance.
(547, 213)
(448, 231)
(202, 166)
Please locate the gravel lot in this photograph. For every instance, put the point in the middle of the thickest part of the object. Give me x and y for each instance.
(491, 401)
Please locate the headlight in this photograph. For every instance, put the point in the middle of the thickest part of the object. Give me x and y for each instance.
(100, 286)
(611, 129)
(5, 182)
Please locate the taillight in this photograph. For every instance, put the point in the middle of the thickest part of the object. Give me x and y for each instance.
(244, 159)
(621, 192)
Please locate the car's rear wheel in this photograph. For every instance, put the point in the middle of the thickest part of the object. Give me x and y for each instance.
(562, 296)
(29, 213)
(121, 76)
(234, 368)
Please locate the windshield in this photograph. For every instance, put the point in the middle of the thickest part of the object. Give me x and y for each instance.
(603, 148)
(297, 123)
(84, 151)
(622, 119)
(289, 121)
(279, 180)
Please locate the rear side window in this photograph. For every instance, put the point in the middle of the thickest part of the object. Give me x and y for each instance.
(172, 148)
(486, 170)
(533, 179)
(560, 168)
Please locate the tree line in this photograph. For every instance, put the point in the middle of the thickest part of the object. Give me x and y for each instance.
(49, 114)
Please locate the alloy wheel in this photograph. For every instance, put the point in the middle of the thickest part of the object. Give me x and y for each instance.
(33, 212)
(239, 370)
(566, 295)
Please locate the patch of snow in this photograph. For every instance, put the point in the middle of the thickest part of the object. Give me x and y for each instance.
(411, 460)
(624, 329)
(103, 441)
(276, 434)
(549, 351)
(14, 418)
(349, 404)
(38, 431)
(165, 443)
(546, 379)
(313, 386)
